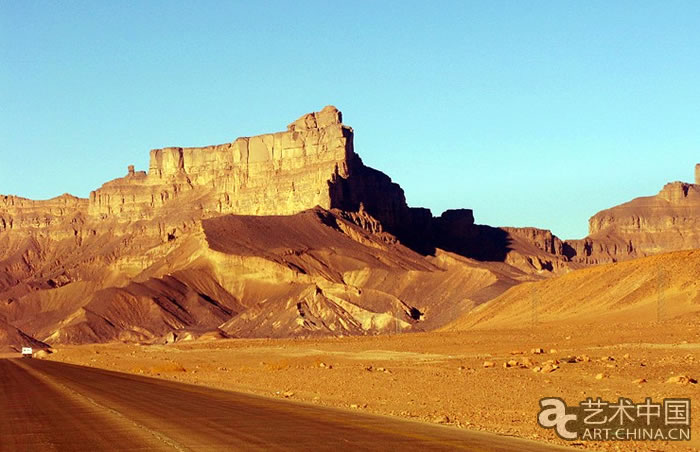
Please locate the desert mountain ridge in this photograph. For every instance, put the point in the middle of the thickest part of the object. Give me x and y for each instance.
(276, 235)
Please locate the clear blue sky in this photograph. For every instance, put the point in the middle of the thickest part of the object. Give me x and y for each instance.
(531, 113)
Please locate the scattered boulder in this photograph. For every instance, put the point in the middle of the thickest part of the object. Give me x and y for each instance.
(511, 363)
(682, 379)
(525, 363)
(488, 364)
(41, 354)
(169, 338)
(600, 376)
(537, 351)
(548, 368)
(186, 336)
(441, 419)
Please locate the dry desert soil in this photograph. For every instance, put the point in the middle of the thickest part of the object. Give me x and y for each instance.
(438, 377)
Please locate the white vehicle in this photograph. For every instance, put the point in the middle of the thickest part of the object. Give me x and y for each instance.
(27, 352)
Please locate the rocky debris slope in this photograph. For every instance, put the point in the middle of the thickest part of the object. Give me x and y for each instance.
(309, 274)
(13, 339)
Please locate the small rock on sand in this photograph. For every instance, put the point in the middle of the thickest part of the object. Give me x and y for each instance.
(682, 379)
(441, 419)
(548, 368)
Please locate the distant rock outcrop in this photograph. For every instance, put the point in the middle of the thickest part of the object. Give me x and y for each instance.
(645, 226)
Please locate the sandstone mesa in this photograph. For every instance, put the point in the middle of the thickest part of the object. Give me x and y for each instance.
(282, 234)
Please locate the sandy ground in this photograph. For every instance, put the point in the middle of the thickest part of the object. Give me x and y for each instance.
(438, 377)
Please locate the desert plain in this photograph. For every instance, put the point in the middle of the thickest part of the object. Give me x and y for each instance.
(437, 377)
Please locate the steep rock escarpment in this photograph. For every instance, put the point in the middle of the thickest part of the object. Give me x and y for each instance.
(312, 163)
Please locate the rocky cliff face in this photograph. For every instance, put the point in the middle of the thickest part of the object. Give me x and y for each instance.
(312, 163)
(649, 225)
(279, 173)
(21, 215)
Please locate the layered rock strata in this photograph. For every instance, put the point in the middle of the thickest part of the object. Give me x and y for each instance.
(667, 221)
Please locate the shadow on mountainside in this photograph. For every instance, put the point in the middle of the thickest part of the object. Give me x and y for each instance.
(371, 191)
(479, 242)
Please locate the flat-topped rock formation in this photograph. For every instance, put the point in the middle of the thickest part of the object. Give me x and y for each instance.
(279, 173)
(21, 214)
(277, 235)
(312, 163)
(667, 221)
